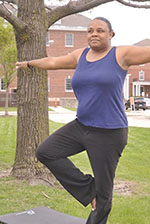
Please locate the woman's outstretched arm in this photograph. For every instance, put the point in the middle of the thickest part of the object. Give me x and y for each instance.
(52, 63)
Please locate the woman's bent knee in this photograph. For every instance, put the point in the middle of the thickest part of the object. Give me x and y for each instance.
(41, 156)
(39, 153)
(44, 152)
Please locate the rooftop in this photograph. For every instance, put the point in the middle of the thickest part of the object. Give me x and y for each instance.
(145, 42)
(72, 22)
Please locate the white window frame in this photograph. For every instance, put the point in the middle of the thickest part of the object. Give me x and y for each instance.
(68, 90)
(141, 73)
(66, 39)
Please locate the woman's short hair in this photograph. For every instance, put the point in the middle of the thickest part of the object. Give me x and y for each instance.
(108, 23)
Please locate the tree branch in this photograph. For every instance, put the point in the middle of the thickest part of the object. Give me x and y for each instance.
(134, 5)
(11, 18)
(71, 8)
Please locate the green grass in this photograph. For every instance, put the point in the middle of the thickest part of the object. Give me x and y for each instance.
(7, 141)
(135, 162)
(130, 210)
(17, 196)
(133, 168)
(50, 109)
(70, 108)
(9, 108)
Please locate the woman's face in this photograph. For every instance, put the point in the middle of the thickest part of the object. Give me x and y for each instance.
(99, 35)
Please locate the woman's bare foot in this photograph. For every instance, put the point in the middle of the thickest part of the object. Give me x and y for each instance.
(93, 203)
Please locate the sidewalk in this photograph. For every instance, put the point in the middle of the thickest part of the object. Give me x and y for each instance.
(139, 118)
(59, 114)
(135, 118)
(12, 113)
(62, 115)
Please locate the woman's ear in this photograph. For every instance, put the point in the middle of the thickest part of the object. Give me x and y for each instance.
(112, 34)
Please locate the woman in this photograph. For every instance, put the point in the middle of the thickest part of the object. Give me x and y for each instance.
(101, 127)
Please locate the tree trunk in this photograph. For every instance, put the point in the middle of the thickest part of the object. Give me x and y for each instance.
(32, 91)
(6, 102)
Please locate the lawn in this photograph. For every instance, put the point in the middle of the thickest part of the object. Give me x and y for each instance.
(9, 108)
(133, 172)
(71, 108)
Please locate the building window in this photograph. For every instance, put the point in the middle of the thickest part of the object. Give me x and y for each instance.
(69, 40)
(141, 75)
(47, 38)
(2, 85)
(68, 87)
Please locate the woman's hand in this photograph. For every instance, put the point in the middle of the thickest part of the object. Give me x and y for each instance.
(22, 64)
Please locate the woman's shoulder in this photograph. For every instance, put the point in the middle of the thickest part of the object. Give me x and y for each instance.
(77, 53)
(123, 48)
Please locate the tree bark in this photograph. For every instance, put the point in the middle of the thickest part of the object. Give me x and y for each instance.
(6, 102)
(32, 91)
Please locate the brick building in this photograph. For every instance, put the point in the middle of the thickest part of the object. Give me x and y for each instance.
(65, 36)
(137, 82)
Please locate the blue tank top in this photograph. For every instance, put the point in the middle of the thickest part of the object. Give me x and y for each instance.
(98, 87)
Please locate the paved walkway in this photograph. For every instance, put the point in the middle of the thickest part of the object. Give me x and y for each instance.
(139, 118)
(62, 115)
(135, 118)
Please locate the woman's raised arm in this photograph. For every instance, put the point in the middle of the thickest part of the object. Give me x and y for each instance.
(132, 55)
(52, 63)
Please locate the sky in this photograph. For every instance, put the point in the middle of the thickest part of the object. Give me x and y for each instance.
(131, 25)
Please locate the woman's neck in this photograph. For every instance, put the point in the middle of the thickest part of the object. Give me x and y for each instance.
(94, 55)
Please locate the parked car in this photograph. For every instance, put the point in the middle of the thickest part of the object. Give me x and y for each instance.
(147, 100)
(139, 103)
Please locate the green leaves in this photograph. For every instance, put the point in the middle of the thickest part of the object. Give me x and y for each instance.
(8, 52)
(6, 33)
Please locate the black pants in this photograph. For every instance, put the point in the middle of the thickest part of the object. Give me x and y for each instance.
(103, 146)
